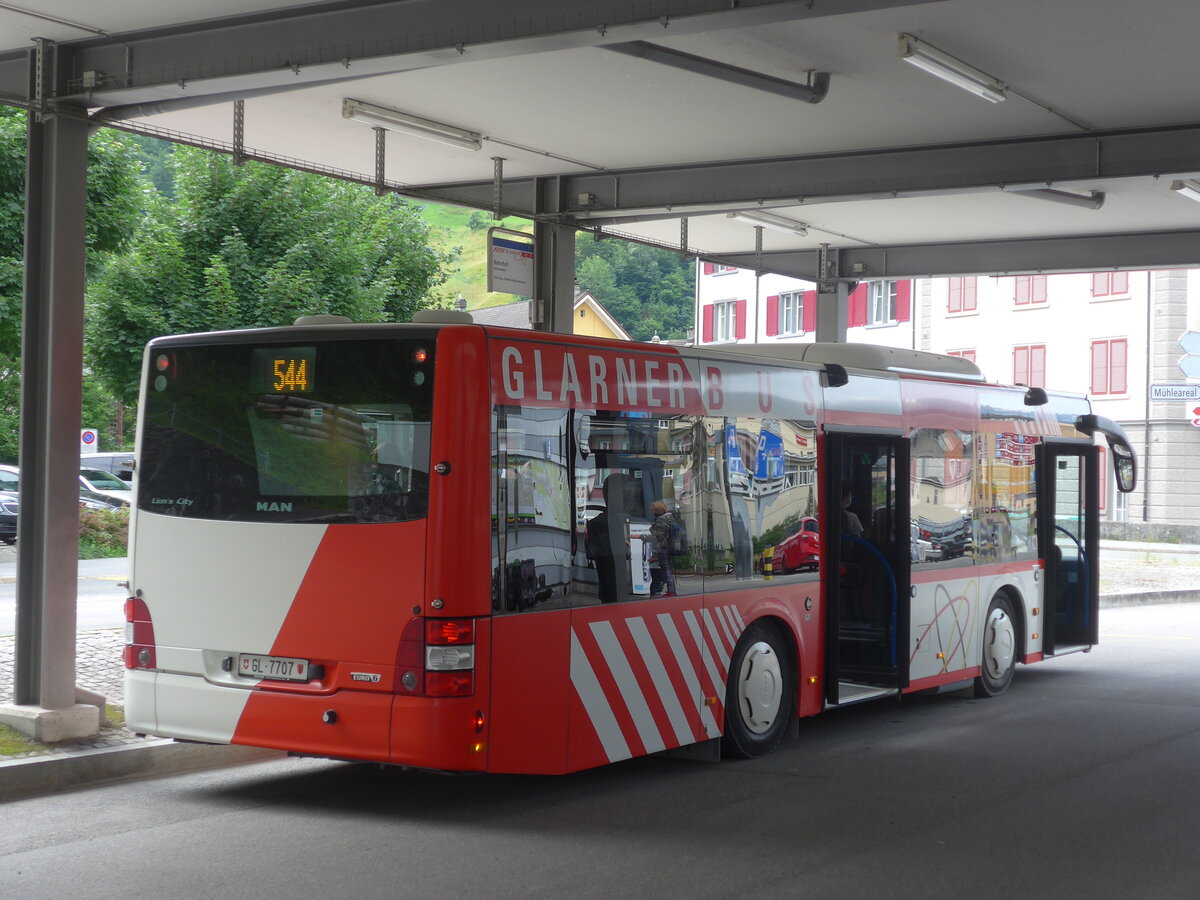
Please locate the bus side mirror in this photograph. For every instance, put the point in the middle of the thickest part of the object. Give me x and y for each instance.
(1124, 460)
(1125, 467)
(1036, 396)
(835, 375)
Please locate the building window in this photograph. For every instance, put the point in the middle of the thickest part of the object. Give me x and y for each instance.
(1109, 366)
(964, 293)
(1110, 284)
(719, 269)
(965, 354)
(881, 303)
(791, 307)
(1029, 365)
(724, 320)
(1029, 290)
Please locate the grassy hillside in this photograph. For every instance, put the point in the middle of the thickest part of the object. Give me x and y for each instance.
(454, 226)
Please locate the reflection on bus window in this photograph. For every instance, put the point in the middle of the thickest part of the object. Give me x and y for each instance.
(765, 509)
(637, 499)
(942, 495)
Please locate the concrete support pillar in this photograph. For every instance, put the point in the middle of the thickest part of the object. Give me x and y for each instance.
(44, 696)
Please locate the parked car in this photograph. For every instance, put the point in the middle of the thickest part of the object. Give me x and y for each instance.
(119, 464)
(8, 517)
(96, 484)
(9, 478)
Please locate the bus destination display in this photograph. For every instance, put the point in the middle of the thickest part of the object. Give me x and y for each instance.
(284, 370)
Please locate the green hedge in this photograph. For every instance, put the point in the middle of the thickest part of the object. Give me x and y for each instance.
(103, 533)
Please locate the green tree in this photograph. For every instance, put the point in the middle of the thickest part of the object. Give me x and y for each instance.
(116, 197)
(256, 245)
(647, 290)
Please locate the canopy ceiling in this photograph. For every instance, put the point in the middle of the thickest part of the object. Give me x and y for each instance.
(601, 122)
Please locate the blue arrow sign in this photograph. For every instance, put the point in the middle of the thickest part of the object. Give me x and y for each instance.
(1190, 342)
(1190, 365)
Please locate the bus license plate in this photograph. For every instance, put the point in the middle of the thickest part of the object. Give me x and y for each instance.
(277, 668)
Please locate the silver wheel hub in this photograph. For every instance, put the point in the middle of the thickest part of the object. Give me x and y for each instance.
(760, 687)
(1000, 643)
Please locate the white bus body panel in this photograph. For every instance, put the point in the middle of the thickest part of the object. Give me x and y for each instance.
(213, 589)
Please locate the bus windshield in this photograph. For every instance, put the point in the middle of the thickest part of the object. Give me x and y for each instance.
(321, 432)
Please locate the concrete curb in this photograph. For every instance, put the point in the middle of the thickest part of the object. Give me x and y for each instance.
(34, 776)
(1149, 598)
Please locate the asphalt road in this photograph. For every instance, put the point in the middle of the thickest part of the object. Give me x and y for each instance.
(101, 601)
(1080, 782)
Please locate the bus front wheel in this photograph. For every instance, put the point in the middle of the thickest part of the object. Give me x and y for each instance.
(999, 649)
(759, 696)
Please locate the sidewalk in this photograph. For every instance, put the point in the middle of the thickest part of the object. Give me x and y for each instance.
(1131, 573)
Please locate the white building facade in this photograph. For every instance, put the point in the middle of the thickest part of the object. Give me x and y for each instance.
(1110, 335)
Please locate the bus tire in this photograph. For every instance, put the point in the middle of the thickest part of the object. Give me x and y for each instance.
(1000, 644)
(759, 695)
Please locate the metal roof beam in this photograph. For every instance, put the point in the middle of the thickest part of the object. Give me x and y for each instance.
(1036, 163)
(312, 44)
(1076, 253)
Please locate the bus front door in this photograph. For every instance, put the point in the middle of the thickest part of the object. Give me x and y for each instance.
(1068, 541)
(867, 565)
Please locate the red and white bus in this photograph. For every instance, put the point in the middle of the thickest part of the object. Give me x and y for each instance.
(467, 548)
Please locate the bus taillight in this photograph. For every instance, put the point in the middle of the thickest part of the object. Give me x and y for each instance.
(449, 657)
(139, 635)
(437, 657)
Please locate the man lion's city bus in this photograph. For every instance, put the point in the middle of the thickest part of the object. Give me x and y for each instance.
(457, 547)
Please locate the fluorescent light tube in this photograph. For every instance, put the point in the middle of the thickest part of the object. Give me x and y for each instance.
(770, 220)
(947, 68)
(1189, 189)
(403, 123)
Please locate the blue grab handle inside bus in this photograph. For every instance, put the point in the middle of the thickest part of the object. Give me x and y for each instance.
(1085, 574)
(891, 580)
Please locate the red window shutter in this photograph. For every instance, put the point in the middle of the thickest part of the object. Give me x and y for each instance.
(1099, 284)
(956, 295)
(706, 328)
(1099, 367)
(808, 313)
(903, 301)
(1021, 290)
(856, 313)
(739, 320)
(772, 315)
(970, 293)
(1120, 282)
(1037, 366)
(1116, 360)
(968, 354)
(1020, 365)
(708, 268)
(1038, 293)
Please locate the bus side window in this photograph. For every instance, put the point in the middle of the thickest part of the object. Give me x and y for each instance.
(531, 510)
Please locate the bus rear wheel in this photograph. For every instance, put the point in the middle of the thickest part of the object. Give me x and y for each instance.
(999, 649)
(759, 695)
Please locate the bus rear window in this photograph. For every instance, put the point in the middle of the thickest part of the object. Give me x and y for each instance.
(332, 431)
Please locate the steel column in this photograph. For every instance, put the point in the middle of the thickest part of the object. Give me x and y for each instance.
(51, 396)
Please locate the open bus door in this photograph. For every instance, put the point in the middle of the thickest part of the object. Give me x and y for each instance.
(1068, 541)
(867, 563)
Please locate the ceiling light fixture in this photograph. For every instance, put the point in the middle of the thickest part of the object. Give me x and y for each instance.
(772, 221)
(403, 123)
(1090, 200)
(1189, 189)
(947, 68)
